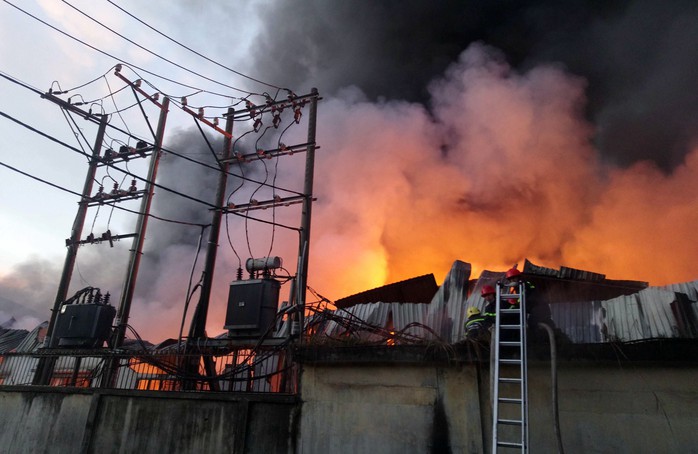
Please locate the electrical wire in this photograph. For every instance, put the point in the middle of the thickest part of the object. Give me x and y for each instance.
(110, 55)
(192, 50)
(276, 173)
(40, 179)
(190, 290)
(166, 150)
(16, 81)
(155, 54)
(117, 111)
(80, 195)
(208, 144)
(157, 185)
(61, 91)
(75, 134)
(241, 176)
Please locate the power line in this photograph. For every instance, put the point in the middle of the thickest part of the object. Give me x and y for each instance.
(16, 81)
(41, 180)
(193, 51)
(112, 56)
(129, 134)
(154, 53)
(60, 142)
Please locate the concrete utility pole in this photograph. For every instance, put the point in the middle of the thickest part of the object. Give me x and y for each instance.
(198, 326)
(304, 246)
(142, 224)
(44, 368)
(76, 233)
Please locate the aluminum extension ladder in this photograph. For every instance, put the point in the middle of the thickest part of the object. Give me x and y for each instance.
(510, 385)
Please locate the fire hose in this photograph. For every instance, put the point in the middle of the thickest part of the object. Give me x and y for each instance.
(553, 370)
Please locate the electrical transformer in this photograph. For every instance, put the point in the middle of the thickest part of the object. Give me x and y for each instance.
(84, 325)
(252, 306)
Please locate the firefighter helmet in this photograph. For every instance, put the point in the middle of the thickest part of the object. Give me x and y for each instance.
(487, 290)
(472, 310)
(513, 272)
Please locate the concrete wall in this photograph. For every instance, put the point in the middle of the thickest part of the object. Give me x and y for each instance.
(604, 408)
(56, 421)
(613, 408)
(372, 407)
(398, 409)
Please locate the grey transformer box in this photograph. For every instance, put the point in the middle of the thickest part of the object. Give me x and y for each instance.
(252, 307)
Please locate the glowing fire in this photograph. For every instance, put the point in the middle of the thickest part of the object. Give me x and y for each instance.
(503, 170)
(500, 168)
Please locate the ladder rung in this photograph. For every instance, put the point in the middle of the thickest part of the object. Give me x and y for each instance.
(509, 343)
(510, 422)
(509, 361)
(511, 311)
(509, 296)
(509, 326)
(510, 380)
(506, 444)
(510, 400)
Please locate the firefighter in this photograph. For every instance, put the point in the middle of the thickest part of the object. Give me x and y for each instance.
(489, 294)
(536, 311)
(475, 325)
(512, 278)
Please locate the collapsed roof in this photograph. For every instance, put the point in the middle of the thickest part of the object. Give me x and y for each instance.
(585, 306)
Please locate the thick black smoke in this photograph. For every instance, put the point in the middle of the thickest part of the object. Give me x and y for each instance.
(638, 57)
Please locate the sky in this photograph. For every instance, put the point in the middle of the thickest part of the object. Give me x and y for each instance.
(484, 131)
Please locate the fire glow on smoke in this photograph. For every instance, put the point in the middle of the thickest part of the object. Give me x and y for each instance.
(504, 168)
(499, 167)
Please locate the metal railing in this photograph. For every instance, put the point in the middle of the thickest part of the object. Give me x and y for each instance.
(242, 370)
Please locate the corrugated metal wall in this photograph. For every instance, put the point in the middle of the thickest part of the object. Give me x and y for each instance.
(646, 314)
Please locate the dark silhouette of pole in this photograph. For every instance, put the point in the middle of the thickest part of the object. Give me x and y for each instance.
(142, 225)
(45, 365)
(304, 246)
(76, 232)
(198, 324)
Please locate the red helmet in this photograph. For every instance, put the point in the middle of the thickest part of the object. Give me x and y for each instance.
(487, 290)
(512, 273)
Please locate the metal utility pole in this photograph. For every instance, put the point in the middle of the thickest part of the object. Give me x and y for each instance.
(198, 325)
(304, 246)
(142, 224)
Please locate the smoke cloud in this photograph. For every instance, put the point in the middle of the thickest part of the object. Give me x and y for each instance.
(637, 57)
(502, 169)
(489, 132)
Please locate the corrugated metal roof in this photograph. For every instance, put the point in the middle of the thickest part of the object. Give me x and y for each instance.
(446, 313)
(644, 315)
(568, 273)
(32, 341)
(11, 338)
(690, 289)
(581, 321)
(563, 273)
(419, 289)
